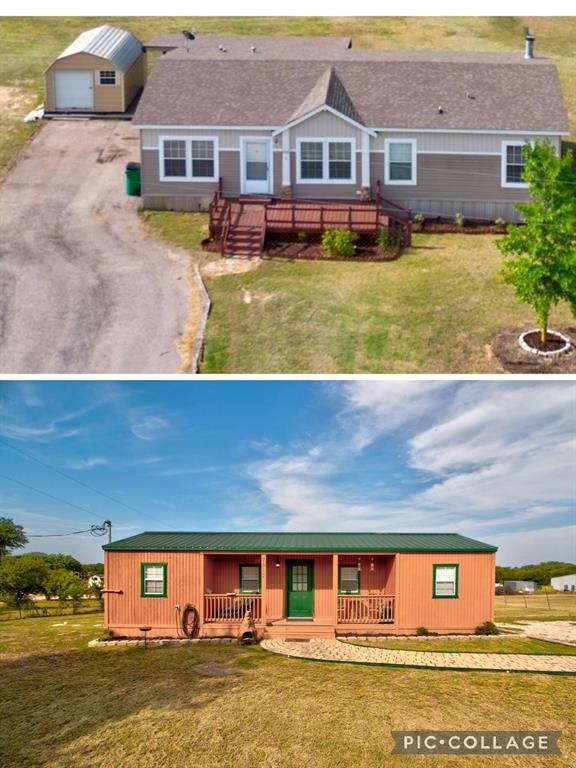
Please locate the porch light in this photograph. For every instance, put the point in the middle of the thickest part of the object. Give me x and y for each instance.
(371, 563)
(359, 565)
(277, 562)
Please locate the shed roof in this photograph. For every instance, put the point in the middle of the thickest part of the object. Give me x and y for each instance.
(299, 542)
(121, 48)
(384, 89)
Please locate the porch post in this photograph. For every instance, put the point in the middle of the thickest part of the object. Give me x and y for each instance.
(201, 585)
(286, 170)
(335, 587)
(263, 587)
(365, 163)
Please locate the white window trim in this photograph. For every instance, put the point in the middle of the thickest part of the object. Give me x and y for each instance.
(506, 184)
(188, 140)
(325, 159)
(243, 141)
(108, 85)
(400, 182)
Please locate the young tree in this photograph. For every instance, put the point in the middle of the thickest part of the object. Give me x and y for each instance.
(542, 251)
(21, 577)
(11, 536)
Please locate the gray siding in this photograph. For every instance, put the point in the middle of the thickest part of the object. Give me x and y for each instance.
(326, 191)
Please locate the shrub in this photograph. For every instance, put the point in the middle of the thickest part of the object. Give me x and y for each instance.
(339, 242)
(499, 222)
(418, 217)
(387, 240)
(422, 631)
(488, 628)
(302, 237)
(459, 219)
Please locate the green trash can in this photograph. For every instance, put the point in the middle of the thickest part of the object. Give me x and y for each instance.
(132, 173)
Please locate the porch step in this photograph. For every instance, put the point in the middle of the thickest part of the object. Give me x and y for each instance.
(298, 631)
(244, 241)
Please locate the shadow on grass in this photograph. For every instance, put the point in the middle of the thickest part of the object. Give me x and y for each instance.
(49, 701)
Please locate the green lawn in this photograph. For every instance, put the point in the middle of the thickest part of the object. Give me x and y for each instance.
(434, 310)
(48, 607)
(557, 606)
(63, 705)
(480, 645)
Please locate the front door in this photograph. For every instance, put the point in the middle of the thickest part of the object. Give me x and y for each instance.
(256, 167)
(300, 589)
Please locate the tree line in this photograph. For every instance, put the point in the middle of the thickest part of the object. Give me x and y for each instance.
(540, 573)
(59, 576)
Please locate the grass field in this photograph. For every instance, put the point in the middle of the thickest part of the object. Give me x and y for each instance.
(48, 607)
(557, 606)
(480, 645)
(435, 310)
(67, 706)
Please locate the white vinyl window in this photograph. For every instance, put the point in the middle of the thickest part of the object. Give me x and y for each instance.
(445, 581)
(153, 580)
(326, 161)
(349, 580)
(107, 77)
(188, 158)
(513, 164)
(250, 579)
(400, 162)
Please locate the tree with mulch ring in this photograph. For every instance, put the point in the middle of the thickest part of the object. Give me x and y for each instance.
(541, 253)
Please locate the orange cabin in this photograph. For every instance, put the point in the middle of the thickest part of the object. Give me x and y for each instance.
(297, 585)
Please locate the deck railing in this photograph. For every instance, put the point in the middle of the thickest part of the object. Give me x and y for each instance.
(231, 608)
(366, 609)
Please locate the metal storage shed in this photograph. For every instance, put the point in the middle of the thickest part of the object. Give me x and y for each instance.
(101, 72)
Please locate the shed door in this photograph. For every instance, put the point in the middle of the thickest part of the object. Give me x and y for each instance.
(74, 90)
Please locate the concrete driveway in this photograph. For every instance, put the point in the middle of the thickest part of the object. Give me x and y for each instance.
(82, 289)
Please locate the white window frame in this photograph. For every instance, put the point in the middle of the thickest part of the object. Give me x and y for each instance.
(108, 85)
(400, 182)
(188, 142)
(504, 165)
(326, 159)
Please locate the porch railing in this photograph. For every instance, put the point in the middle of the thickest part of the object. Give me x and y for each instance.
(231, 608)
(366, 609)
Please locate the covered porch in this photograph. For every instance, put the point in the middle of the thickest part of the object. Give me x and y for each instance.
(299, 594)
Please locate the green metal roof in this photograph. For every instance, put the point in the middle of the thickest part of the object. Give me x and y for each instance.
(299, 542)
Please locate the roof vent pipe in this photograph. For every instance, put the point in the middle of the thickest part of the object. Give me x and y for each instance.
(529, 44)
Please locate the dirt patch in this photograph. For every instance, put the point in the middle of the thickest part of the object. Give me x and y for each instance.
(314, 252)
(230, 267)
(514, 359)
(215, 669)
(14, 100)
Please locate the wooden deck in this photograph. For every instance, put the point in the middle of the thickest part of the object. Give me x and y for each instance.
(242, 223)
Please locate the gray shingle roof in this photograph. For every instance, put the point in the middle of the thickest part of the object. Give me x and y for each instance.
(299, 542)
(121, 48)
(385, 89)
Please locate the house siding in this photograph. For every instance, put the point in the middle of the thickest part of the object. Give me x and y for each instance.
(324, 125)
(326, 191)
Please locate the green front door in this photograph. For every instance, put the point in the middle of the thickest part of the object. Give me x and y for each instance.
(300, 589)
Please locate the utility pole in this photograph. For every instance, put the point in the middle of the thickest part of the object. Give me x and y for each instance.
(108, 524)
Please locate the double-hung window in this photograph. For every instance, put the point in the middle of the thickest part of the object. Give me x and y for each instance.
(349, 580)
(513, 164)
(107, 77)
(188, 159)
(326, 161)
(445, 580)
(400, 158)
(250, 579)
(153, 580)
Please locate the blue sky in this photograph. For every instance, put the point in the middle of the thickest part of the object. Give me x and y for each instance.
(494, 460)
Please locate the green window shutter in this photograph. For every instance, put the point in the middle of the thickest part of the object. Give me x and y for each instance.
(153, 579)
(445, 580)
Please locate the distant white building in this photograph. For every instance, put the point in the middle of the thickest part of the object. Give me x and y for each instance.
(564, 583)
(520, 586)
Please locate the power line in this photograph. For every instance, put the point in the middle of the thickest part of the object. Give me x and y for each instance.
(94, 530)
(44, 493)
(68, 477)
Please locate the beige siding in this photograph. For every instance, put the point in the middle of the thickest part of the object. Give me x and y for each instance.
(107, 98)
(228, 140)
(324, 125)
(456, 142)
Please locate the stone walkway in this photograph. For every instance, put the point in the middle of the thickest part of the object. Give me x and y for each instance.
(336, 650)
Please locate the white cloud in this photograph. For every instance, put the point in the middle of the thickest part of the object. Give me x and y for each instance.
(148, 427)
(536, 546)
(96, 461)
